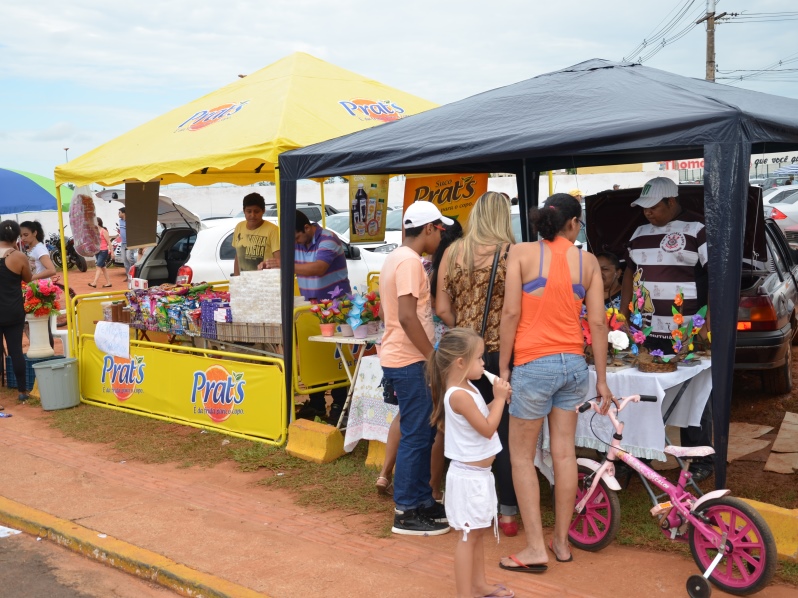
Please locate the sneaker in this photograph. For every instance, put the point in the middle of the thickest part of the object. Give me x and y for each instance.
(701, 471)
(413, 523)
(436, 512)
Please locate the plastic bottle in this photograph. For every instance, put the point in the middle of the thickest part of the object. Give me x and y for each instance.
(360, 197)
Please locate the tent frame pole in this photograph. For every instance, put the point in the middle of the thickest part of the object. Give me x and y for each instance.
(71, 337)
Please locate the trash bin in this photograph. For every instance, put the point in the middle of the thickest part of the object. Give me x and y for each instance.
(58, 383)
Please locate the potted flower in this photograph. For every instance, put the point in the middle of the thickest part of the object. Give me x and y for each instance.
(686, 330)
(40, 300)
(616, 323)
(329, 314)
(364, 313)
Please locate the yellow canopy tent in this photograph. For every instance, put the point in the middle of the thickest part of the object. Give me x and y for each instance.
(235, 134)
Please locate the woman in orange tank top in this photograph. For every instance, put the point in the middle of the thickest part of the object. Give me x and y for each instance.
(547, 283)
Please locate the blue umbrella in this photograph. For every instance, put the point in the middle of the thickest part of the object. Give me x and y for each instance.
(26, 192)
(785, 170)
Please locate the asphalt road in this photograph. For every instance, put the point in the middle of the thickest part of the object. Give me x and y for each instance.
(30, 568)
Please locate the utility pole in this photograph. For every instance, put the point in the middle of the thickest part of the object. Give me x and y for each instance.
(711, 40)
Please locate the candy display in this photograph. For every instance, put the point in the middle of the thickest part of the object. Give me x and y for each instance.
(178, 309)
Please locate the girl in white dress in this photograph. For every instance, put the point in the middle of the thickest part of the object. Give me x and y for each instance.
(471, 442)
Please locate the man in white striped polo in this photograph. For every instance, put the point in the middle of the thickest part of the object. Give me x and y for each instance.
(671, 252)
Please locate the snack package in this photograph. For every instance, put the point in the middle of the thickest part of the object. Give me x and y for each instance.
(83, 222)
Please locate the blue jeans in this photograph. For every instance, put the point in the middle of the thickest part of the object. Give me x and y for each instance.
(411, 489)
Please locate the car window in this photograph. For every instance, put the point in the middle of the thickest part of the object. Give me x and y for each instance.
(338, 222)
(788, 197)
(393, 220)
(778, 261)
(515, 221)
(182, 248)
(226, 249)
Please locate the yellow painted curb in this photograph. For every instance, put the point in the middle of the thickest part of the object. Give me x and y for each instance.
(120, 555)
(783, 524)
(313, 441)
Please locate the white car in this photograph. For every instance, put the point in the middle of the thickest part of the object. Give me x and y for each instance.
(207, 255)
(781, 204)
(393, 230)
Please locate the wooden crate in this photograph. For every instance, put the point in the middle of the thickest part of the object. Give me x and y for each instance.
(249, 333)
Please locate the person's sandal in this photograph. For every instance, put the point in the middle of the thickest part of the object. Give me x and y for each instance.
(383, 485)
(94, 286)
(107, 286)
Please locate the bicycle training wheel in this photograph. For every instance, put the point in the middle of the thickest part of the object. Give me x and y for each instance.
(750, 560)
(598, 524)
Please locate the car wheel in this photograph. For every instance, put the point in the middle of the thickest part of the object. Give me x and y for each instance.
(779, 381)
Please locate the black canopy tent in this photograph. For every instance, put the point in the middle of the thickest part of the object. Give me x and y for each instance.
(594, 113)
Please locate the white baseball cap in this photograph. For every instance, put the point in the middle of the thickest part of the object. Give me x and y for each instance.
(655, 190)
(421, 213)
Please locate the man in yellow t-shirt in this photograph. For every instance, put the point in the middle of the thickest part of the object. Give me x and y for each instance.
(255, 240)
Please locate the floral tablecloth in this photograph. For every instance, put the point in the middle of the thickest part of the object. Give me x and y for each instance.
(369, 416)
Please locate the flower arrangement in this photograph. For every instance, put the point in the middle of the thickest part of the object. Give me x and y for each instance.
(365, 308)
(617, 339)
(687, 328)
(637, 332)
(40, 298)
(333, 310)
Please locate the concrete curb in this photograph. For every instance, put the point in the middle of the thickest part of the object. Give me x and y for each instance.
(120, 555)
(783, 524)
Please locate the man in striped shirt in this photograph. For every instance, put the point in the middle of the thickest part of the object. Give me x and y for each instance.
(671, 253)
(320, 263)
(321, 273)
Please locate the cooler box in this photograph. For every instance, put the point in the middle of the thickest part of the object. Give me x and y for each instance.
(58, 383)
(30, 375)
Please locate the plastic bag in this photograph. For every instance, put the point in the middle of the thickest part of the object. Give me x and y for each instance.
(83, 222)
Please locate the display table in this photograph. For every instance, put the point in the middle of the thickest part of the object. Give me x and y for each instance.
(644, 434)
(370, 417)
(351, 375)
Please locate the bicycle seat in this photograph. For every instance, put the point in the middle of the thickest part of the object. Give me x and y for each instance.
(686, 452)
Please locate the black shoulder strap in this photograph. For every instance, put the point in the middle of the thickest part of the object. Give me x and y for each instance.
(490, 288)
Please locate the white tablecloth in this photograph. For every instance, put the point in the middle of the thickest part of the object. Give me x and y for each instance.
(644, 432)
(369, 416)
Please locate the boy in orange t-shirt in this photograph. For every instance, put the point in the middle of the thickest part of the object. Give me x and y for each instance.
(406, 345)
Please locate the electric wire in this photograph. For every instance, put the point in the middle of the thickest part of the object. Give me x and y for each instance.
(649, 51)
(661, 32)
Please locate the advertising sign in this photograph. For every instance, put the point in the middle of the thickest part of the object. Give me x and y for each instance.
(368, 200)
(453, 194)
(245, 398)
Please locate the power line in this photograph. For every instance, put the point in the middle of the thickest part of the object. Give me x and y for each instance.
(660, 32)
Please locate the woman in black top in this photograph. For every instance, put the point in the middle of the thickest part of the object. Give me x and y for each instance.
(14, 270)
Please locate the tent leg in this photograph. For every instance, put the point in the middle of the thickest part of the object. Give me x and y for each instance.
(323, 209)
(71, 337)
(287, 200)
(725, 200)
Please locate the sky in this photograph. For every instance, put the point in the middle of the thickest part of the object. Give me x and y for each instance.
(77, 74)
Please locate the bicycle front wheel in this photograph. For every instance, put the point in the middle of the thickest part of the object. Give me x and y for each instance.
(750, 560)
(596, 527)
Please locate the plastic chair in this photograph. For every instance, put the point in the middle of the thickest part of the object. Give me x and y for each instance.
(62, 334)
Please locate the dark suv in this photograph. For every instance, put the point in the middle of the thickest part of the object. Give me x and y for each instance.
(766, 317)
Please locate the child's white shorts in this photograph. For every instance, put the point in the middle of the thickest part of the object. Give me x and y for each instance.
(471, 498)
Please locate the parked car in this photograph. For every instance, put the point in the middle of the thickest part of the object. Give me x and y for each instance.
(766, 316)
(780, 205)
(393, 231)
(207, 254)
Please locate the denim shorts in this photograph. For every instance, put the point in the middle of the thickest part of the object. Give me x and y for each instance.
(559, 380)
(102, 258)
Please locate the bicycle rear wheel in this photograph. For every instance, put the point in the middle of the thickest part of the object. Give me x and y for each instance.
(750, 560)
(596, 527)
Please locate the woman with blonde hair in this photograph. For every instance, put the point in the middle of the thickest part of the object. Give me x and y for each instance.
(471, 295)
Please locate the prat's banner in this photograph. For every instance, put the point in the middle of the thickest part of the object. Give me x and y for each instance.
(226, 395)
(368, 202)
(453, 194)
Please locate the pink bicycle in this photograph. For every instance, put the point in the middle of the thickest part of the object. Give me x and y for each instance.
(730, 541)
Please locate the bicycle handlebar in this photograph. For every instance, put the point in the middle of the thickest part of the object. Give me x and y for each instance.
(624, 401)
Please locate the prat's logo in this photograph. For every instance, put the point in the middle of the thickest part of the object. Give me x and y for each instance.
(205, 118)
(447, 191)
(382, 110)
(122, 376)
(219, 392)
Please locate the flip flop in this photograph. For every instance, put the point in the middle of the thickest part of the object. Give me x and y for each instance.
(559, 560)
(523, 567)
(383, 485)
(500, 588)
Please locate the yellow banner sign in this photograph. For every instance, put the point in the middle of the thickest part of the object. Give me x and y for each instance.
(368, 201)
(453, 194)
(231, 396)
